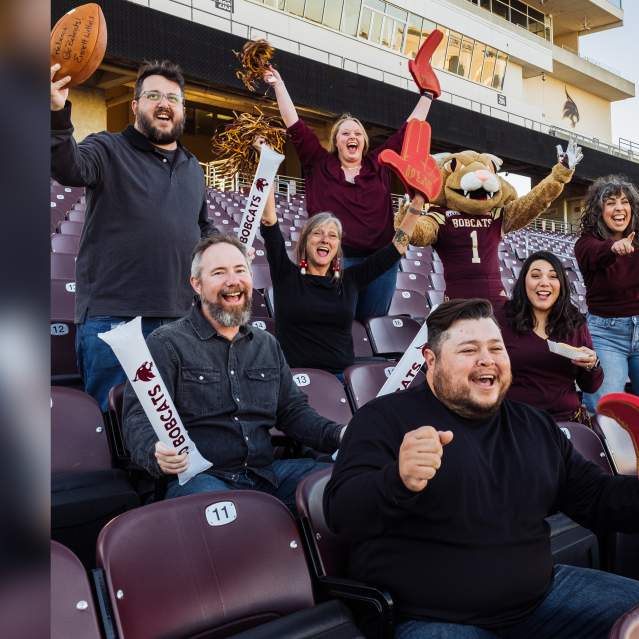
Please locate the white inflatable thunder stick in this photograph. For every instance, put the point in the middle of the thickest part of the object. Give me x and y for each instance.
(408, 366)
(256, 200)
(134, 356)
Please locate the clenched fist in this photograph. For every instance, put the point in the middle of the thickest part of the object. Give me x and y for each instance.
(420, 456)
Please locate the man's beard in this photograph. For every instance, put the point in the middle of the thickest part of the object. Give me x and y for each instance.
(230, 318)
(155, 136)
(457, 397)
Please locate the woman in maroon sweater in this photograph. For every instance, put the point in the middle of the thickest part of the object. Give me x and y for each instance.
(609, 262)
(540, 309)
(348, 181)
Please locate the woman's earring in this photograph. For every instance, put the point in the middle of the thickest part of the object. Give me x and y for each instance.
(303, 266)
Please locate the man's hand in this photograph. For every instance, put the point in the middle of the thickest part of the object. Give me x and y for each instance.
(421, 69)
(571, 156)
(420, 456)
(59, 94)
(624, 245)
(415, 167)
(168, 459)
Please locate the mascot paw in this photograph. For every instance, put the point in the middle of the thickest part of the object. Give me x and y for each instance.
(571, 156)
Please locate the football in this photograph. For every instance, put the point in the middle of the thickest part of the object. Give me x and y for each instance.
(78, 43)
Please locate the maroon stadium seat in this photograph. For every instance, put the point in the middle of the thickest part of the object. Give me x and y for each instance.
(627, 626)
(415, 266)
(587, 442)
(325, 393)
(76, 215)
(363, 381)
(65, 243)
(261, 276)
(71, 228)
(329, 553)
(408, 303)
(438, 281)
(424, 253)
(264, 323)
(259, 309)
(63, 358)
(434, 297)
(391, 335)
(73, 612)
(62, 266)
(78, 437)
(411, 282)
(212, 565)
(361, 343)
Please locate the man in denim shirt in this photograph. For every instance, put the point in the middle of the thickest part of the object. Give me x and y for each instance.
(230, 385)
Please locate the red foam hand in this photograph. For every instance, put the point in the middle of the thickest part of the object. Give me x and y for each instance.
(415, 167)
(420, 67)
(624, 409)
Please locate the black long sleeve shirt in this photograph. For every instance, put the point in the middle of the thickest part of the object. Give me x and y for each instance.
(314, 314)
(473, 546)
(228, 395)
(144, 216)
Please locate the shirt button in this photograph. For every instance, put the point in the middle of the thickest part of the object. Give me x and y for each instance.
(233, 373)
(262, 374)
(245, 464)
(236, 419)
(164, 160)
(246, 438)
(237, 398)
(201, 377)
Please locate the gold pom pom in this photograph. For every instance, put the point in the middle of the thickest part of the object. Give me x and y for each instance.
(255, 58)
(234, 144)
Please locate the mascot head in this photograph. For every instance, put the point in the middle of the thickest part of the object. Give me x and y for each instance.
(470, 183)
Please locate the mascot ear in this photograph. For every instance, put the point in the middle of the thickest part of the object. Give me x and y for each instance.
(441, 158)
(451, 165)
(497, 162)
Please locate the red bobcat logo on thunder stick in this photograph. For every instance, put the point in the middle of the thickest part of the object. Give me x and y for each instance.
(260, 184)
(144, 374)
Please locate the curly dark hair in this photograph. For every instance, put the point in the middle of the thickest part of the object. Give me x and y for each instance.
(165, 68)
(592, 222)
(564, 317)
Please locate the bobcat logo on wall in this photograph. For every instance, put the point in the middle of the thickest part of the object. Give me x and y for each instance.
(144, 374)
(570, 110)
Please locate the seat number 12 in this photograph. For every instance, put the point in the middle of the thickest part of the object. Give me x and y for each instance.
(476, 259)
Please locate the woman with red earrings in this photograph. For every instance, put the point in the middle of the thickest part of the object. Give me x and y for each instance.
(315, 299)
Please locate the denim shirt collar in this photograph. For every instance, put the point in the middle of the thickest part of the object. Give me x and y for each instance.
(204, 329)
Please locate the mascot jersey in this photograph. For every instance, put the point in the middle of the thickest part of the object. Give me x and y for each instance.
(467, 245)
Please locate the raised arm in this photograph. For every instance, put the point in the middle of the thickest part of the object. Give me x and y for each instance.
(405, 230)
(420, 112)
(284, 102)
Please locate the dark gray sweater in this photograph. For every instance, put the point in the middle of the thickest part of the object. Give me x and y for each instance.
(144, 216)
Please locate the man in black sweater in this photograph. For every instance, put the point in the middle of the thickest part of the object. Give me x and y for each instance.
(146, 209)
(449, 517)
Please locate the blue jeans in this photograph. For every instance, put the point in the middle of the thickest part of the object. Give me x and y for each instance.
(581, 603)
(97, 364)
(288, 473)
(375, 299)
(616, 342)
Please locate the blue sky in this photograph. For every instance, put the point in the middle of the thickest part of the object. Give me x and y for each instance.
(619, 49)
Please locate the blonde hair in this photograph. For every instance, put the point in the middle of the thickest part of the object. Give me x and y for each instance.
(343, 118)
(319, 219)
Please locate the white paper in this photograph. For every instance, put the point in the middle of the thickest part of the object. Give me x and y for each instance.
(565, 350)
(256, 200)
(127, 342)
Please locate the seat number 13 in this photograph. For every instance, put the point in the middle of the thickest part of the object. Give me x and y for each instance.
(476, 259)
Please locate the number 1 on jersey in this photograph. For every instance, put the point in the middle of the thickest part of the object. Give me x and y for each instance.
(476, 259)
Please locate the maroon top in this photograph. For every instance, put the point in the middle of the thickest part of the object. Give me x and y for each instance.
(612, 281)
(363, 207)
(543, 379)
(467, 245)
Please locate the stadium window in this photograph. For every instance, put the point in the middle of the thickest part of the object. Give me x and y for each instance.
(440, 52)
(398, 39)
(314, 10)
(413, 32)
(365, 23)
(376, 27)
(489, 67)
(350, 16)
(477, 62)
(519, 18)
(452, 52)
(296, 7)
(387, 32)
(332, 13)
(501, 9)
(399, 18)
(466, 53)
(500, 70)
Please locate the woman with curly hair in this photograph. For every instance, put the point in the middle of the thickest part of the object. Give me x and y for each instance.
(609, 262)
(540, 309)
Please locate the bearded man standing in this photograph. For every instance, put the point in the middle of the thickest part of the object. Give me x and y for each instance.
(146, 208)
(443, 490)
(230, 384)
